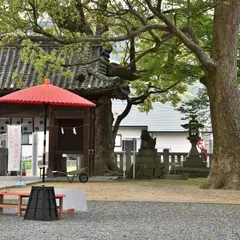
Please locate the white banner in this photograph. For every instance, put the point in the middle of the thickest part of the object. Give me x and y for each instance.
(14, 147)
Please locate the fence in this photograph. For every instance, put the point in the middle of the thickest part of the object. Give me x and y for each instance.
(166, 157)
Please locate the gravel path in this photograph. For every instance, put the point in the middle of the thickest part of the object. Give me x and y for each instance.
(107, 220)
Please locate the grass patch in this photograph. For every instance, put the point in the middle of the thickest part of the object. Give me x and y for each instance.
(190, 181)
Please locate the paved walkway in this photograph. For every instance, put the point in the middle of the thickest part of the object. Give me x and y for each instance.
(10, 181)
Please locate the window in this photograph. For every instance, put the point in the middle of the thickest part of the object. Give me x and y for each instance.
(26, 139)
(118, 140)
(128, 145)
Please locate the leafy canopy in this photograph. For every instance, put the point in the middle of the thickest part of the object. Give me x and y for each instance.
(154, 53)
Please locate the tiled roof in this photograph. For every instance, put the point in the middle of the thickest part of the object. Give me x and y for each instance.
(11, 62)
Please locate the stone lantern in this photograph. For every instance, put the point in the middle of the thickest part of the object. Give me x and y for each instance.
(194, 158)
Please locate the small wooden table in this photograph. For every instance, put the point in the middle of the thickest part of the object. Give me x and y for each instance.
(22, 207)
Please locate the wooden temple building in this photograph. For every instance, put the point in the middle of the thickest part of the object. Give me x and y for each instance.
(91, 81)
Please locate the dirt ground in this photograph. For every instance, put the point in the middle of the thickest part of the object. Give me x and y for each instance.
(165, 190)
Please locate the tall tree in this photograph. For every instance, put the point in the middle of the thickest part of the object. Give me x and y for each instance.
(64, 22)
(106, 131)
(154, 24)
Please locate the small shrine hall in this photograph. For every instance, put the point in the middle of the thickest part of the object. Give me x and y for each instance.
(71, 129)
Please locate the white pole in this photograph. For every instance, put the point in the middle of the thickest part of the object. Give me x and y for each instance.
(134, 155)
(124, 165)
(20, 183)
(34, 153)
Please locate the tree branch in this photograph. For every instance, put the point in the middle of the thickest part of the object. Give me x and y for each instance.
(94, 39)
(159, 4)
(147, 93)
(121, 117)
(206, 62)
(143, 21)
(86, 28)
(136, 101)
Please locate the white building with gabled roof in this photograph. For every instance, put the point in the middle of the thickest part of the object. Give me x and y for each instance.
(163, 122)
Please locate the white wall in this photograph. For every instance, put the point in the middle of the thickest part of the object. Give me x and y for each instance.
(175, 142)
(130, 133)
(27, 149)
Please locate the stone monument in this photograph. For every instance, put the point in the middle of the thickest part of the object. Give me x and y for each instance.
(195, 164)
(194, 157)
(148, 164)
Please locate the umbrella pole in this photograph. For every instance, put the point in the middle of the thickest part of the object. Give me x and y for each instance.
(44, 141)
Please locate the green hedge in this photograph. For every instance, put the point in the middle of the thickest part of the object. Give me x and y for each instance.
(28, 164)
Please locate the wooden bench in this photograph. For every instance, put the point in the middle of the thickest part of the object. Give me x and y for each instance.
(22, 207)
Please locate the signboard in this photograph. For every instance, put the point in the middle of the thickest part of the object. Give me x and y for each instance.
(14, 147)
(75, 199)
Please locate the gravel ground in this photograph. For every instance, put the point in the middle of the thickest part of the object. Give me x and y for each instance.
(108, 220)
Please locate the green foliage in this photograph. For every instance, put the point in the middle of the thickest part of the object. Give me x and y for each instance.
(33, 53)
(72, 24)
(198, 105)
(28, 164)
(173, 62)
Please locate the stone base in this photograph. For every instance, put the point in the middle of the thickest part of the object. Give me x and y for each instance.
(148, 165)
(147, 159)
(147, 152)
(147, 171)
(177, 177)
(194, 162)
(193, 172)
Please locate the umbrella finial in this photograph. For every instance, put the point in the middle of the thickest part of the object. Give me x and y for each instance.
(46, 81)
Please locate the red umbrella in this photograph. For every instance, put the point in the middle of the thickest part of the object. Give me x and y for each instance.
(47, 95)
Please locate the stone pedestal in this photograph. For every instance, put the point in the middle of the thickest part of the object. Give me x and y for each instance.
(148, 165)
(193, 172)
(42, 204)
(194, 158)
(194, 165)
(194, 161)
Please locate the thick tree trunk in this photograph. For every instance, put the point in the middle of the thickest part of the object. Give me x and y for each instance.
(104, 162)
(224, 98)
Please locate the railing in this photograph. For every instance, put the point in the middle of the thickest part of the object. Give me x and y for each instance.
(166, 157)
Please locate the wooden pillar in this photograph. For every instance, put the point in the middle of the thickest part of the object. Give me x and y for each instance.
(86, 139)
(55, 160)
(93, 126)
(91, 141)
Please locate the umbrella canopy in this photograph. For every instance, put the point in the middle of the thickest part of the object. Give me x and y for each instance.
(46, 94)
